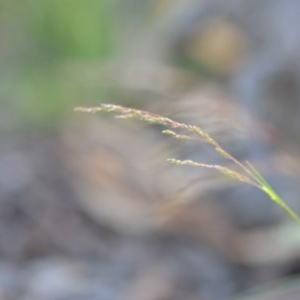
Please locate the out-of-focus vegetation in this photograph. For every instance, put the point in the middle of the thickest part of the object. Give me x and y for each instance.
(51, 52)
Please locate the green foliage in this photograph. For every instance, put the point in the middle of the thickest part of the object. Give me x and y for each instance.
(72, 28)
(50, 52)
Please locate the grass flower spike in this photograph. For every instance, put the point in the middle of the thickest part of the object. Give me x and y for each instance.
(244, 172)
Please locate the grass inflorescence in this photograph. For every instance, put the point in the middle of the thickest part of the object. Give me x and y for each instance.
(244, 172)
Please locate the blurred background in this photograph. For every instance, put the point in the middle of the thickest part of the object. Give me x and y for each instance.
(89, 207)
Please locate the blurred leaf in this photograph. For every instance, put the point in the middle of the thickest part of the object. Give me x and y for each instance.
(39, 38)
(73, 28)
